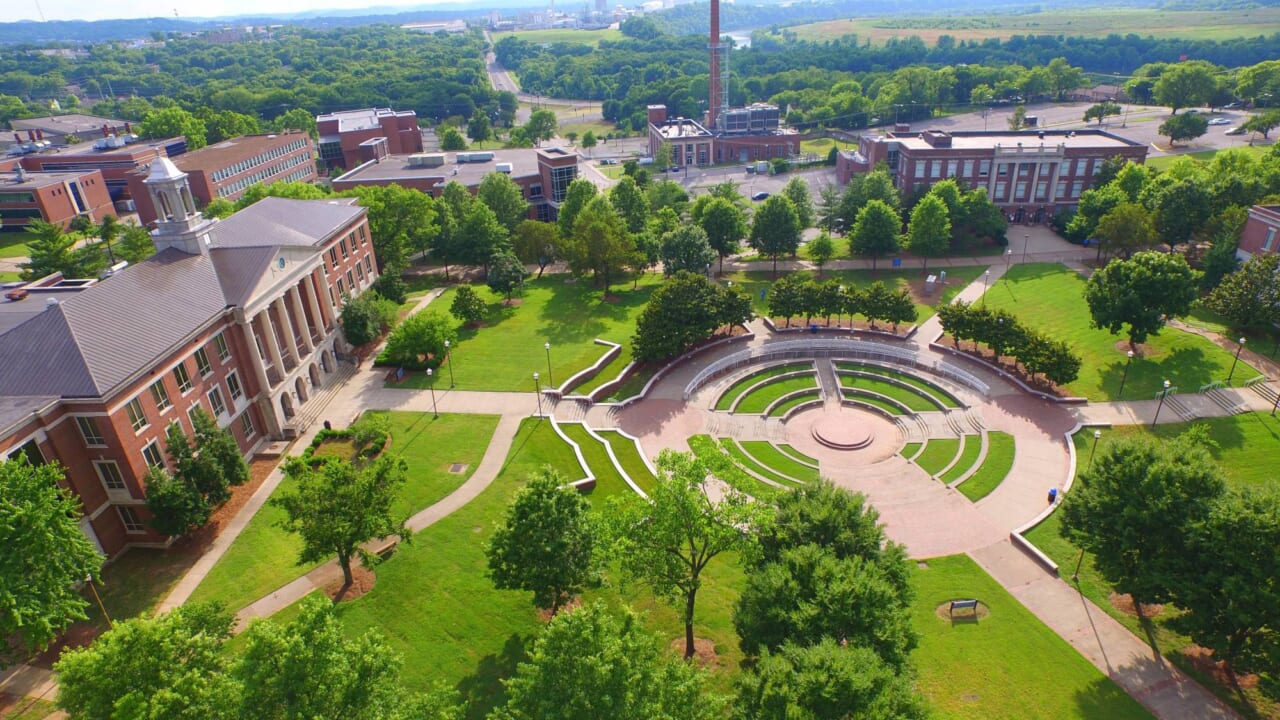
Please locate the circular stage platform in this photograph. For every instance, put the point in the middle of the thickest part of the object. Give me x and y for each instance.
(842, 432)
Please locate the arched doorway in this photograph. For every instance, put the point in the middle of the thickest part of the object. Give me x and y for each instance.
(326, 361)
(286, 405)
(300, 387)
(314, 372)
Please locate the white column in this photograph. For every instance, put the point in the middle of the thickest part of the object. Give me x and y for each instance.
(289, 343)
(312, 303)
(295, 296)
(259, 365)
(273, 347)
(322, 290)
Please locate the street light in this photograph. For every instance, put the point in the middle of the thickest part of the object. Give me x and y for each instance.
(448, 357)
(986, 278)
(1233, 362)
(1125, 377)
(840, 307)
(1163, 395)
(550, 382)
(1026, 240)
(1097, 435)
(89, 579)
(537, 390)
(1008, 257)
(431, 384)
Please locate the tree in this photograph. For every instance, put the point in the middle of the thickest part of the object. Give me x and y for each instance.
(1250, 297)
(588, 660)
(1263, 123)
(1184, 127)
(176, 506)
(506, 273)
(46, 555)
(294, 190)
(929, 232)
(1141, 292)
(1101, 111)
(297, 119)
(825, 681)
(205, 466)
(485, 237)
(1094, 204)
(663, 194)
(173, 122)
(48, 250)
(588, 141)
(686, 248)
(1181, 209)
(108, 230)
(631, 204)
(541, 125)
(1124, 230)
(786, 297)
(367, 316)
(136, 244)
(505, 198)
(821, 250)
(1134, 508)
(797, 191)
(599, 243)
(418, 342)
(400, 220)
(775, 230)
(668, 541)
(875, 232)
(219, 208)
(467, 306)
(225, 124)
(1018, 120)
(336, 508)
(546, 544)
(580, 192)
(478, 128)
(724, 225)
(1063, 78)
(451, 139)
(535, 243)
(684, 311)
(170, 665)
(1184, 84)
(1229, 590)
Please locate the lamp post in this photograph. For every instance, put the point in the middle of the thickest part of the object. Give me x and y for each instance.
(103, 608)
(1097, 435)
(986, 279)
(1239, 348)
(1026, 240)
(431, 384)
(448, 357)
(840, 307)
(547, 347)
(1125, 377)
(537, 390)
(1008, 257)
(1163, 394)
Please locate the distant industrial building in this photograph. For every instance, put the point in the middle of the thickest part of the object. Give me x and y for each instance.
(56, 197)
(1261, 232)
(57, 128)
(115, 155)
(224, 170)
(352, 137)
(1030, 174)
(543, 174)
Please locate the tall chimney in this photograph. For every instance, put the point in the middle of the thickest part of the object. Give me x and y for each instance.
(713, 87)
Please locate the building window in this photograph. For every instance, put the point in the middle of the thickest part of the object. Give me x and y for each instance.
(1060, 190)
(184, 380)
(984, 168)
(363, 240)
(1042, 189)
(246, 424)
(130, 520)
(216, 402)
(967, 169)
(90, 431)
(1002, 190)
(1020, 191)
(151, 454)
(160, 395)
(351, 280)
(137, 419)
(233, 384)
(109, 473)
(360, 272)
(1270, 240)
(220, 342)
(368, 264)
(341, 288)
(202, 363)
(951, 167)
(1076, 188)
(1095, 166)
(920, 171)
(1003, 170)
(342, 245)
(191, 413)
(333, 257)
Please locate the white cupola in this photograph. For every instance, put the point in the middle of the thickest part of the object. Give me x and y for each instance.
(179, 225)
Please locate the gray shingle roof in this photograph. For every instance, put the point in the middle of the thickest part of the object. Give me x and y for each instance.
(282, 221)
(14, 410)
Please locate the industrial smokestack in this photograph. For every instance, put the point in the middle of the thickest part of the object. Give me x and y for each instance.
(713, 102)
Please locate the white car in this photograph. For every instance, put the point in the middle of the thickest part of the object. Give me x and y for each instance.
(1220, 121)
(1234, 131)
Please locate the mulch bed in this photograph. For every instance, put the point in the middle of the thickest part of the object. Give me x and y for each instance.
(362, 581)
(840, 323)
(1124, 603)
(1202, 660)
(704, 651)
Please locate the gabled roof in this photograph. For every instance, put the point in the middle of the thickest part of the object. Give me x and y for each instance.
(245, 272)
(275, 221)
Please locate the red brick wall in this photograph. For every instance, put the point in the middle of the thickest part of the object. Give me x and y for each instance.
(336, 266)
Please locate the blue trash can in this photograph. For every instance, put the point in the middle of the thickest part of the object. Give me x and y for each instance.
(897, 262)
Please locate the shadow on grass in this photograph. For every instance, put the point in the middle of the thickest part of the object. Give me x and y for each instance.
(483, 691)
(1186, 368)
(1101, 699)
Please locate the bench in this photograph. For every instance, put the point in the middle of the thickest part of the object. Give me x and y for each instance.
(385, 548)
(970, 605)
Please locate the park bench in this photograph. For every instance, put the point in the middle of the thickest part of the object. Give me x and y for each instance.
(970, 605)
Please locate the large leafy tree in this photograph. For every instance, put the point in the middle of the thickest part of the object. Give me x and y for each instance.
(1185, 84)
(48, 250)
(1184, 127)
(173, 122)
(1263, 123)
(1101, 111)
(589, 664)
(797, 191)
(467, 306)
(875, 232)
(46, 555)
(600, 243)
(684, 311)
(336, 508)
(505, 198)
(631, 203)
(547, 543)
(579, 193)
(723, 223)
(206, 466)
(686, 248)
(535, 243)
(401, 220)
(1141, 293)
(669, 540)
(135, 244)
(775, 229)
(1134, 508)
(506, 273)
(418, 342)
(1125, 229)
(1250, 297)
(929, 232)
(483, 235)
(478, 126)
(1181, 209)
(826, 681)
(541, 125)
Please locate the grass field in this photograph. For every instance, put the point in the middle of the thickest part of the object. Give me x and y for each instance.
(937, 454)
(770, 456)
(968, 456)
(508, 349)
(1162, 162)
(263, 558)
(726, 470)
(1007, 664)
(628, 454)
(942, 397)
(609, 482)
(14, 245)
(758, 400)
(995, 466)
(727, 398)
(585, 37)
(784, 407)
(907, 396)
(957, 278)
(604, 374)
(1050, 298)
(1201, 25)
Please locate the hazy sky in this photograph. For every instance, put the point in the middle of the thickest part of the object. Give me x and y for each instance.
(81, 10)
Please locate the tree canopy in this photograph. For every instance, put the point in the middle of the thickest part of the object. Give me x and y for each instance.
(1141, 293)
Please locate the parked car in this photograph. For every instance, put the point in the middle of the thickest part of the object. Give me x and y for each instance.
(1231, 106)
(760, 196)
(1234, 131)
(1220, 121)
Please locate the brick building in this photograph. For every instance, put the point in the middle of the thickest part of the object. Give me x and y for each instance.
(114, 156)
(56, 197)
(238, 317)
(543, 173)
(1031, 174)
(352, 137)
(56, 129)
(746, 135)
(224, 170)
(1261, 232)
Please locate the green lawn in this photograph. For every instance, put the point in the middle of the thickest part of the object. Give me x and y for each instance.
(604, 374)
(609, 482)
(635, 382)
(8, 277)
(628, 454)
(745, 461)
(134, 583)
(957, 278)
(1162, 162)
(786, 406)
(769, 455)
(509, 348)
(995, 466)
(726, 399)
(968, 456)
(28, 708)
(262, 559)
(758, 400)
(885, 405)
(910, 449)
(797, 455)
(726, 470)
(14, 244)
(937, 454)
(942, 397)
(1049, 298)
(909, 397)
(1007, 664)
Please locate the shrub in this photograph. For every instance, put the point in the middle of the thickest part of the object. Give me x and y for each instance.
(418, 342)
